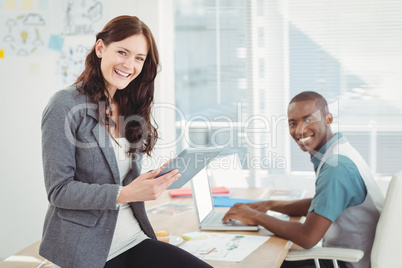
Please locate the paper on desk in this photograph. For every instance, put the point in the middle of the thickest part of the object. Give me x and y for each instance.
(170, 209)
(224, 247)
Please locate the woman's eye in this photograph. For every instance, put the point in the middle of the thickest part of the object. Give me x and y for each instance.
(140, 59)
(122, 53)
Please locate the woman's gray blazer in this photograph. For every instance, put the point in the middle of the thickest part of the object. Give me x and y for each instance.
(82, 183)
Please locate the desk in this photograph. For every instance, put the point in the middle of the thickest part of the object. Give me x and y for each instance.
(26, 258)
(269, 255)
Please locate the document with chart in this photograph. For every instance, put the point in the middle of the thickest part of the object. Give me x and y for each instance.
(224, 247)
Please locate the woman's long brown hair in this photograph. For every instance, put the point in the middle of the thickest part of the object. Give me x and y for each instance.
(136, 99)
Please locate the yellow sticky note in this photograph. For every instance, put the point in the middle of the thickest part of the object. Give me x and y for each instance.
(1, 53)
(11, 4)
(27, 4)
(34, 68)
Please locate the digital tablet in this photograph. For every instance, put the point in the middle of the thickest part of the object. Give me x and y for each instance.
(189, 162)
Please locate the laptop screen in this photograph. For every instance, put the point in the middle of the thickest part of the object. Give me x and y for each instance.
(202, 194)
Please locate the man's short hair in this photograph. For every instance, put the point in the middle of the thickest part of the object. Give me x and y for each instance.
(320, 101)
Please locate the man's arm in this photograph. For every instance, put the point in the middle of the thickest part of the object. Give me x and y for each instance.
(291, 208)
(306, 234)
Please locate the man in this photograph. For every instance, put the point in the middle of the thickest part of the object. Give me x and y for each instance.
(347, 203)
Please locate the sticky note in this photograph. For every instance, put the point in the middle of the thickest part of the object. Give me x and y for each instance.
(1, 53)
(27, 4)
(34, 68)
(43, 4)
(194, 235)
(11, 4)
(56, 42)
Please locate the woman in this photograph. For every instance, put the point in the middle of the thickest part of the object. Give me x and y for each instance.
(93, 137)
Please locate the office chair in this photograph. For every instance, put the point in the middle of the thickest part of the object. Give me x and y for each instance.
(387, 246)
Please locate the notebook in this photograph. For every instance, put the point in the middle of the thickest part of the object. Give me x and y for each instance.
(208, 217)
(187, 192)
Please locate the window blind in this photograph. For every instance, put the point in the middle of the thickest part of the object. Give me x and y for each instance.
(350, 51)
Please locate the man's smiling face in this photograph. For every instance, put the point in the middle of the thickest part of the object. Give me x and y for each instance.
(308, 126)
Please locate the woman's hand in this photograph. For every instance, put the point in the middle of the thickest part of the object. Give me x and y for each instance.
(147, 187)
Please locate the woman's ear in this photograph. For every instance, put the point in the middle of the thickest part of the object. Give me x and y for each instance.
(99, 46)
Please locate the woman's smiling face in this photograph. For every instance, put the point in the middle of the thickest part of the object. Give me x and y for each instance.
(122, 61)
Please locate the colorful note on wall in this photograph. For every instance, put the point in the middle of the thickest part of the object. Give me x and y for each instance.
(56, 42)
(34, 68)
(43, 4)
(11, 4)
(27, 4)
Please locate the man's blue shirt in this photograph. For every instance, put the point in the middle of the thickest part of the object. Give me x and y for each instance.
(339, 184)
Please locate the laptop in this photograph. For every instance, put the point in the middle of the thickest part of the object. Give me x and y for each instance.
(208, 217)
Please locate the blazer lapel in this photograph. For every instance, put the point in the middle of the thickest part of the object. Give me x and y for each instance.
(104, 142)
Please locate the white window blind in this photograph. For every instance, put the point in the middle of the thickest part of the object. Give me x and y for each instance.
(350, 51)
(245, 58)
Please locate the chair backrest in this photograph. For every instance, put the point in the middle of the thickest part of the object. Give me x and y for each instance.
(387, 247)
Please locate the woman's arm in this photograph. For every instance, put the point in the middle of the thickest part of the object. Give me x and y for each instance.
(70, 182)
(64, 188)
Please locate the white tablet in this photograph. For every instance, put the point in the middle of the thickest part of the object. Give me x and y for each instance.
(189, 162)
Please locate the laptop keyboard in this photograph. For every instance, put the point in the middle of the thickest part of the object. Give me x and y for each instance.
(215, 218)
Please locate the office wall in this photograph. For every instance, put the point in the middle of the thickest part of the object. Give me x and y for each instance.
(41, 54)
